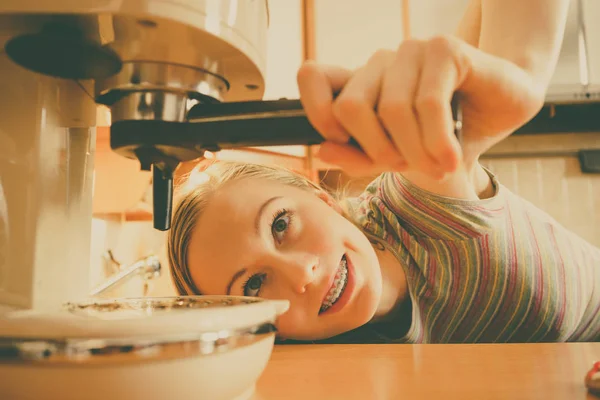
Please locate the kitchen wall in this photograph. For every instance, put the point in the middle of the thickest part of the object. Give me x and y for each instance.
(551, 177)
(129, 242)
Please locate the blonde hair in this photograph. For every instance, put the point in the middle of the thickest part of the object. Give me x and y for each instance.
(193, 198)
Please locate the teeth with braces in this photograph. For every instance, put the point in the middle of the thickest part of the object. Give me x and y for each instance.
(339, 284)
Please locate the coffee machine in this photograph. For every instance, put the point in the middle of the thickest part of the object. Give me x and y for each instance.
(180, 77)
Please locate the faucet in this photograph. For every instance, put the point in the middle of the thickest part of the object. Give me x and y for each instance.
(148, 267)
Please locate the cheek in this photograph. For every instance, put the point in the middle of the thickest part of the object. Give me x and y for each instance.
(323, 230)
(292, 323)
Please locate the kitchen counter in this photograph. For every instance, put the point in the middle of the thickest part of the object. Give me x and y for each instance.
(374, 372)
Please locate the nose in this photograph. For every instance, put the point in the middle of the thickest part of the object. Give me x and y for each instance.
(298, 270)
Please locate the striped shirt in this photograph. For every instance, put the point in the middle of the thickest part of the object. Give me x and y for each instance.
(491, 270)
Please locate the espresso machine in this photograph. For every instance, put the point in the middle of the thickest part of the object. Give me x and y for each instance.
(180, 77)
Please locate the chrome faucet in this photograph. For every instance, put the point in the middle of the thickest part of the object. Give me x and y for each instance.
(148, 268)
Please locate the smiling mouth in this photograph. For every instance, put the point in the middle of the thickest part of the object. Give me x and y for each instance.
(337, 288)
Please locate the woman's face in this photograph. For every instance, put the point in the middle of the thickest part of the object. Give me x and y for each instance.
(275, 241)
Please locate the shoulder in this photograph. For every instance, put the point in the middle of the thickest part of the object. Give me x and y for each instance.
(392, 201)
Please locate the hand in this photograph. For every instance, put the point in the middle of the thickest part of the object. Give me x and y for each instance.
(397, 107)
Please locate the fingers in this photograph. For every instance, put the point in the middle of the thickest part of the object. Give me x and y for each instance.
(415, 108)
(355, 109)
(317, 85)
(352, 160)
(439, 79)
(396, 108)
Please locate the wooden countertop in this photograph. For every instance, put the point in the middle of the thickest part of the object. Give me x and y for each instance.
(374, 372)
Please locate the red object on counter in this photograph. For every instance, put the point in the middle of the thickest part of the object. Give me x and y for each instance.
(592, 379)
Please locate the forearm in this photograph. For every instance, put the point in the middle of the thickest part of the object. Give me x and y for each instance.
(528, 33)
(469, 28)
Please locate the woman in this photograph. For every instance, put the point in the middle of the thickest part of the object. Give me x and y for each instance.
(435, 250)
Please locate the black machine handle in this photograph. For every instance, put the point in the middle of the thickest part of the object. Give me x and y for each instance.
(267, 123)
(213, 127)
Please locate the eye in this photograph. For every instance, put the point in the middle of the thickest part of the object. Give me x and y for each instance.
(281, 223)
(253, 284)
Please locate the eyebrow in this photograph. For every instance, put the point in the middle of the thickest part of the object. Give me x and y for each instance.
(235, 277)
(259, 214)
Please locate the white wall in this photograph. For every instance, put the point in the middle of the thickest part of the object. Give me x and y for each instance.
(349, 31)
(284, 49)
(129, 242)
(284, 57)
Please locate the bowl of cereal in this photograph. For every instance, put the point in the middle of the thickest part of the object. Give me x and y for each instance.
(213, 347)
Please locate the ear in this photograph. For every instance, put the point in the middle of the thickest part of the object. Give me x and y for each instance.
(326, 197)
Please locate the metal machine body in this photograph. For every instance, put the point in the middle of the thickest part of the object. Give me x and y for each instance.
(146, 60)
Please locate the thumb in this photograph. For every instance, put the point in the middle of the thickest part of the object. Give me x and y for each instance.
(318, 85)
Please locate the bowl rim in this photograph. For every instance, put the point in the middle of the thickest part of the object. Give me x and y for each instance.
(141, 318)
(126, 350)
